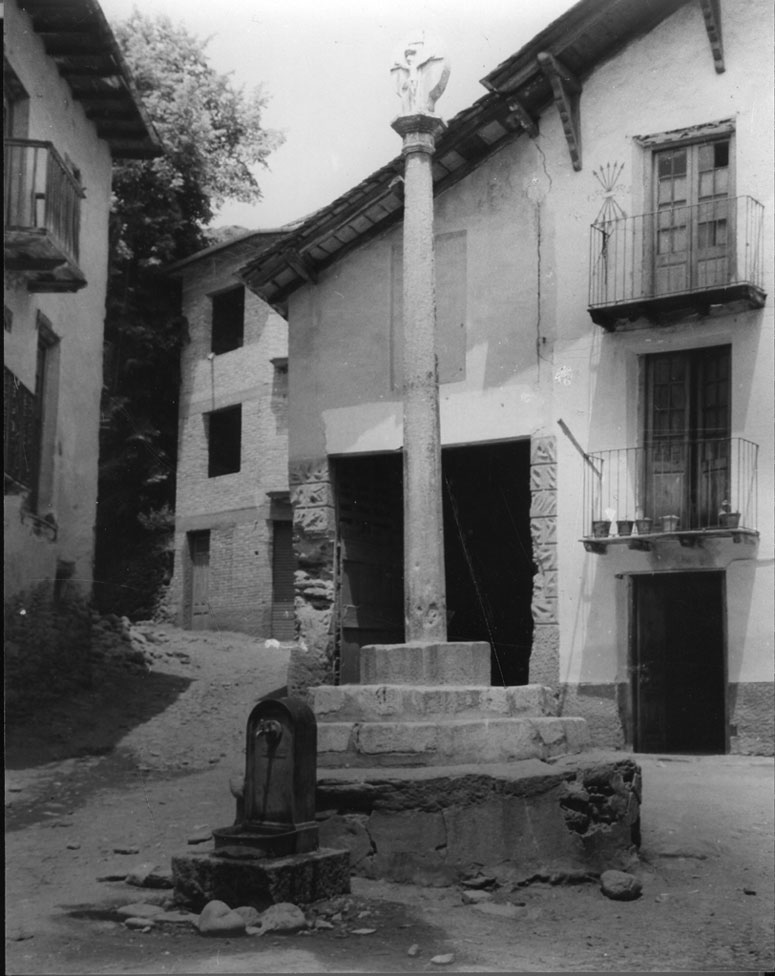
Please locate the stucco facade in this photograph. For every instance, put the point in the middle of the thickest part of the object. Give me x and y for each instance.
(522, 363)
(49, 525)
(240, 518)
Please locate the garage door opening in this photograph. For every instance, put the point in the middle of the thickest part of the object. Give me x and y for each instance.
(488, 552)
(488, 556)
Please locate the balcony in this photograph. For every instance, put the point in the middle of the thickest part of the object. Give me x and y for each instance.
(677, 261)
(689, 490)
(42, 217)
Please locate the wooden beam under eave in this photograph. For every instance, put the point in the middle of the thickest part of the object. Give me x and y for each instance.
(522, 115)
(302, 265)
(566, 89)
(711, 12)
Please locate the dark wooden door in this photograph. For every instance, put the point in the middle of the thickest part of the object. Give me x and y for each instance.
(283, 568)
(370, 575)
(678, 663)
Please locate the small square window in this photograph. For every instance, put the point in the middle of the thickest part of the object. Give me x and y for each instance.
(224, 437)
(228, 320)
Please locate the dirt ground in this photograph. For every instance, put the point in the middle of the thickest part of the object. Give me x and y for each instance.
(128, 774)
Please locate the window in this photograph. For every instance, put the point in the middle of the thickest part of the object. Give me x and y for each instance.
(224, 435)
(687, 434)
(18, 433)
(29, 424)
(228, 320)
(693, 216)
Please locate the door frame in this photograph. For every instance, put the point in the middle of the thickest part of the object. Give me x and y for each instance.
(630, 711)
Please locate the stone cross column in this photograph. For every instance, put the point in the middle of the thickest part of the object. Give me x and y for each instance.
(421, 75)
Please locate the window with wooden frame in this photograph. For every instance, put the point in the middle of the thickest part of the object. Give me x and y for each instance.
(687, 434)
(693, 212)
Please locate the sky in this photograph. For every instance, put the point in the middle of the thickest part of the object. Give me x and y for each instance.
(325, 66)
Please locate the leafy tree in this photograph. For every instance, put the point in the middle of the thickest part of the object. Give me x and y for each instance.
(213, 141)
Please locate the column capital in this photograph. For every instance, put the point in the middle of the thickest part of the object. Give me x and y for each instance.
(419, 131)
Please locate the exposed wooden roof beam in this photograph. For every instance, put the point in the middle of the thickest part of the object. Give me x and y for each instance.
(525, 119)
(711, 11)
(302, 265)
(566, 88)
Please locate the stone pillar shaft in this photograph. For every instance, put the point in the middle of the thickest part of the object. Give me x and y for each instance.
(424, 585)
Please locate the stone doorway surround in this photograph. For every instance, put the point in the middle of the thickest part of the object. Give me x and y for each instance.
(313, 660)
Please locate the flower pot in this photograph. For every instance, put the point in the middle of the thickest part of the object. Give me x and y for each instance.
(601, 528)
(670, 523)
(729, 520)
(643, 525)
(624, 527)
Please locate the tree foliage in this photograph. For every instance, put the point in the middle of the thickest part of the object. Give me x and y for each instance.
(213, 142)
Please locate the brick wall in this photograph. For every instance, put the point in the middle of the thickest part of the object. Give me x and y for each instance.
(235, 508)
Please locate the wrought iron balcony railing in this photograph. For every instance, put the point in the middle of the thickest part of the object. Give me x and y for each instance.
(677, 260)
(42, 201)
(672, 485)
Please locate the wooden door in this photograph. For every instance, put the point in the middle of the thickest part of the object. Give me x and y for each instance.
(283, 569)
(678, 663)
(686, 462)
(693, 233)
(369, 579)
(199, 547)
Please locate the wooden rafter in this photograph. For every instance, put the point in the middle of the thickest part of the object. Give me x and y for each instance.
(566, 89)
(525, 119)
(302, 265)
(711, 12)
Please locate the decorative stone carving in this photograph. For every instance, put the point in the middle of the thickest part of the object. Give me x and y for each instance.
(543, 532)
(543, 477)
(545, 558)
(421, 72)
(543, 450)
(543, 502)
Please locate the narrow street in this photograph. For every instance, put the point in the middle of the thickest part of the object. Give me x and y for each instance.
(135, 771)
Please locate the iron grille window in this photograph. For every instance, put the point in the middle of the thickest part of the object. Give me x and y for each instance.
(20, 426)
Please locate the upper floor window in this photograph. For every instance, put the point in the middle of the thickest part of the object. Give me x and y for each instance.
(696, 247)
(29, 424)
(228, 320)
(687, 435)
(693, 229)
(224, 441)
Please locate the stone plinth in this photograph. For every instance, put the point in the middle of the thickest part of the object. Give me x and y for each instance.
(444, 741)
(399, 702)
(462, 663)
(260, 882)
(516, 821)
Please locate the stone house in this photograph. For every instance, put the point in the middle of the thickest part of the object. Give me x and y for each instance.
(233, 551)
(69, 109)
(603, 227)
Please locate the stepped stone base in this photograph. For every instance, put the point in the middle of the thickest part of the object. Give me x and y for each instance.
(441, 741)
(248, 880)
(515, 821)
(397, 703)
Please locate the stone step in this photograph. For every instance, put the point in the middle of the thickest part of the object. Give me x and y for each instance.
(379, 703)
(448, 742)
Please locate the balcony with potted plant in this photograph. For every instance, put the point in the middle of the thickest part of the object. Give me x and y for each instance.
(670, 490)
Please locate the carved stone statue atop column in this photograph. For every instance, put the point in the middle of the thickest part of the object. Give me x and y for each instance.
(421, 72)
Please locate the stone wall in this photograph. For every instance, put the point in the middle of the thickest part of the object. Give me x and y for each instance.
(314, 534)
(510, 822)
(545, 655)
